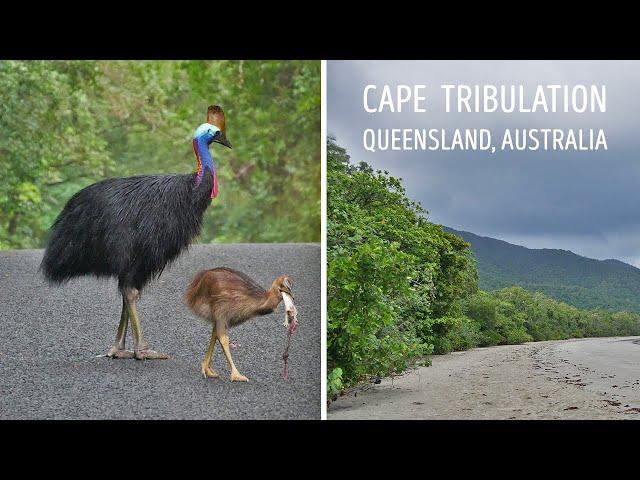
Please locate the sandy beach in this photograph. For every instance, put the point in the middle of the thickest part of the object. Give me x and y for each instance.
(595, 378)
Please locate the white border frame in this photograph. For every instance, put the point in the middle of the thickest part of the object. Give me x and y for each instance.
(323, 242)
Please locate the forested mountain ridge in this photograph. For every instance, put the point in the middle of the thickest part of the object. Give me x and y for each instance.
(561, 274)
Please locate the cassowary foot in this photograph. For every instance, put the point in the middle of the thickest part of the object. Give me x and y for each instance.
(207, 371)
(115, 352)
(236, 377)
(150, 355)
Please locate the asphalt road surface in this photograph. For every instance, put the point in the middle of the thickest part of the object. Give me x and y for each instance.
(595, 378)
(51, 336)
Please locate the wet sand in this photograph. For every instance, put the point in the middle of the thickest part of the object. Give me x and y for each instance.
(595, 378)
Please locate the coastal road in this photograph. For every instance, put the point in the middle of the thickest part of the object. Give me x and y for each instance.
(51, 337)
(595, 378)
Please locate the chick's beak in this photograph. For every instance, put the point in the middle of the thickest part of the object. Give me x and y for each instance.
(288, 291)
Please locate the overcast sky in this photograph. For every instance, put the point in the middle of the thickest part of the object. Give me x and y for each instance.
(586, 202)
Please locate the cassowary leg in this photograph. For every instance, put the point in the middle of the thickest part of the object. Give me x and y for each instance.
(206, 369)
(118, 350)
(224, 341)
(141, 348)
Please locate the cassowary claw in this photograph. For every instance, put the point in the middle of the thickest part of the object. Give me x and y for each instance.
(237, 377)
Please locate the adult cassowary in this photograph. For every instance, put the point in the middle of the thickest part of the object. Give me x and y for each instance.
(130, 228)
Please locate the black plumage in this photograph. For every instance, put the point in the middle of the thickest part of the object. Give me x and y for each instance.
(127, 228)
(131, 228)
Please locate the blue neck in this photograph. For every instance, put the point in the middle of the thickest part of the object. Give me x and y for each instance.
(205, 158)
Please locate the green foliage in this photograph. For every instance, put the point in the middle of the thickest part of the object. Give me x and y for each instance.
(51, 137)
(515, 315)
(67, 124)
(466, 334)
(334, 382)
(449, 334)
(389, 272)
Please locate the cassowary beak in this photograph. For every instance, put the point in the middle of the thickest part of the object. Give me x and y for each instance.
(222, 140)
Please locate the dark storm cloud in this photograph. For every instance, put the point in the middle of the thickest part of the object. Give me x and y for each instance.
(586, 202)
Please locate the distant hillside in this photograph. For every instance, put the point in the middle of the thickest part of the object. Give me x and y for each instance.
(561, 274)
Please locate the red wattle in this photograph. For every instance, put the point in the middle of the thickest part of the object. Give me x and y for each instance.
(214, 190)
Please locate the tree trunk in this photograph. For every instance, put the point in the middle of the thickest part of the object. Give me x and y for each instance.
(13, 224)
